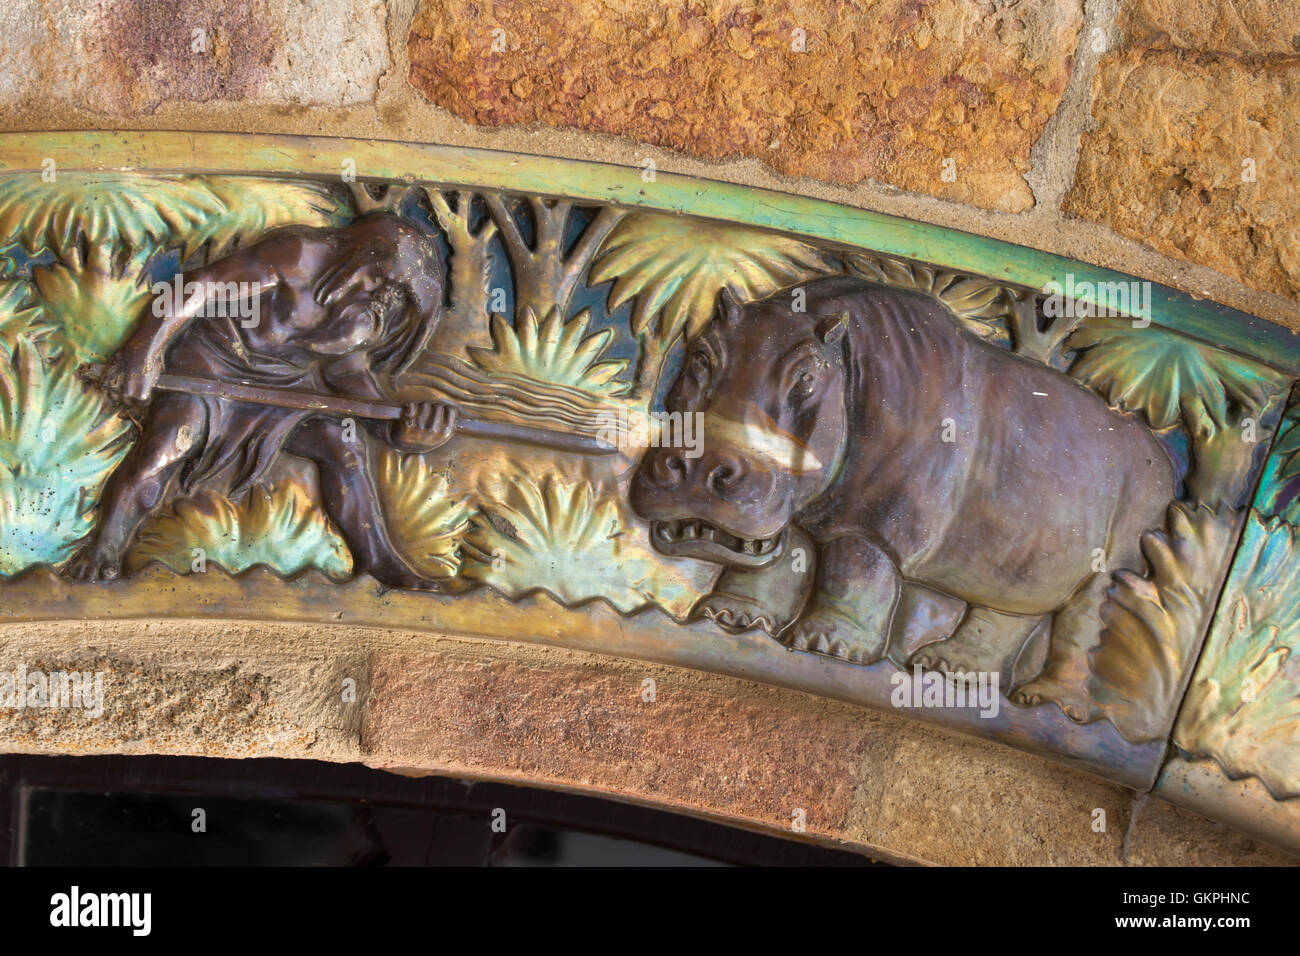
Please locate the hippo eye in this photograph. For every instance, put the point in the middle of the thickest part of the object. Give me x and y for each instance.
(805, 385)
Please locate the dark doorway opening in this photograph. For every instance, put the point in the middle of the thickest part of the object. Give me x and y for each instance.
(192, 811)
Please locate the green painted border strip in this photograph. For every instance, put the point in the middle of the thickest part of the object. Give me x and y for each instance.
(279, 155)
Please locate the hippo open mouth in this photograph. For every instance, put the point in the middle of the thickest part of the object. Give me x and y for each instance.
(695, 538)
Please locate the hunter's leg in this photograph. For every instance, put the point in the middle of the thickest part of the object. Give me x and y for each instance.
(343, 460)
(173, 433)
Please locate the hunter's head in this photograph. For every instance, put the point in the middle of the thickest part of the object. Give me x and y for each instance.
(387, 277)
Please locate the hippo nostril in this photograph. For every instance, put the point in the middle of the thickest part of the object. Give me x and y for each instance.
(723, 478)
(668, 471)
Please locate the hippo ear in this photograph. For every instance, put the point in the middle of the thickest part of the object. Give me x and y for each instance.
(832, 328)
(728, 309)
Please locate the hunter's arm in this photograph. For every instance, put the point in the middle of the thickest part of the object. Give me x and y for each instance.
(422, 426)
(351, 376)
(164, 318)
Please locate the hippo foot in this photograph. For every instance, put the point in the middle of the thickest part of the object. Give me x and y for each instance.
(825, 632)
(1048, 690)
(947, 661)
(734, 613)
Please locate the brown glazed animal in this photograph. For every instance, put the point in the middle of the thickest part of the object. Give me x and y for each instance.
(872, 429)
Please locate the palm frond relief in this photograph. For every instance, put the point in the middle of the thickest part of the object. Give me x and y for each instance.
(1243, 705)
(576, 542)
(279, 527)
(982, 305)
(1154, 624)
(427, 520)
(672, 268)
(553, 351)
(58, 444)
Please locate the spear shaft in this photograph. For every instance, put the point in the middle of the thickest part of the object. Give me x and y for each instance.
(299, 400)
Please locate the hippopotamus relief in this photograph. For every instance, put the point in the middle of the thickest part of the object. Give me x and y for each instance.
(907, 457)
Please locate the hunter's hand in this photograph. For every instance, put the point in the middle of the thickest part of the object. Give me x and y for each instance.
(423, 427)
(132, 374)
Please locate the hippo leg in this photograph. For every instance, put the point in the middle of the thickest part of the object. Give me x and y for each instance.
(1076, 628)
(851, 611)
(983, 642)
(1077, 625)
(769, 597)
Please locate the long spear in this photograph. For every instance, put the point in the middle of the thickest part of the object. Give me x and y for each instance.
(355, 407)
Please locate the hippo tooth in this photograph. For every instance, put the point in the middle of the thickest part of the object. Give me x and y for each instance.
(751, 546)
(691, 530)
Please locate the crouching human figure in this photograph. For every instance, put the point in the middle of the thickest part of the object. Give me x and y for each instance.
(338, 311)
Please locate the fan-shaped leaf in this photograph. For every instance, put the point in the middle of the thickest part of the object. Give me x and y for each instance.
(1167, 376)
(280, 527)
(981, 305)
(93, 311)
(674, 267)
(553, 351)
(576, 543)
(1153, 624)
(1287, 446)
(250, 206)
(101, 209)
(427, 523)
(132, 213)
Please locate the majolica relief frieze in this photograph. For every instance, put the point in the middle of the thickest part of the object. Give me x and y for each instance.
(1004, 507)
